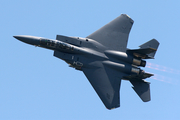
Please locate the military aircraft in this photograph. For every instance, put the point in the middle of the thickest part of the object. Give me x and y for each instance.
(104, 58)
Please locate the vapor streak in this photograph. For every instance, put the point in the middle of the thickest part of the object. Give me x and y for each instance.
(162, 68)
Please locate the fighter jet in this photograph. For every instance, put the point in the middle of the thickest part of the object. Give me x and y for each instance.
(104, 58)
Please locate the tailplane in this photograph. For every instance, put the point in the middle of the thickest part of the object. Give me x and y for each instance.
(147, 50)
(153, 44)
(142, 88)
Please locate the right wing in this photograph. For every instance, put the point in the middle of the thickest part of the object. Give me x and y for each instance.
(114, 35)
(106, 82)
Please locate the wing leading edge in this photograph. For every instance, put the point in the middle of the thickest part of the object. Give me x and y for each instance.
(106, 82)
(114, 35)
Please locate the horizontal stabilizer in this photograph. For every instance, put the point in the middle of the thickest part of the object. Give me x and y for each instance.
(143, 52)
(150, 44)
(147, 50)
(142, 88)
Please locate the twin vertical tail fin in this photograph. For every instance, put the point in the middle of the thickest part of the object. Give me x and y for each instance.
(147, 50)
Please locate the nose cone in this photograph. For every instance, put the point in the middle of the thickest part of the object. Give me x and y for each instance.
(28, 39)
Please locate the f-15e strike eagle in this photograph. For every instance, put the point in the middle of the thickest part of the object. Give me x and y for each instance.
(104, 58)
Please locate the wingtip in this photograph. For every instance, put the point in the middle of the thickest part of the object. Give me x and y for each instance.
(132, 21)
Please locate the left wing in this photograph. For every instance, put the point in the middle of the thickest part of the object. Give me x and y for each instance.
(106, 82)
(114, 35)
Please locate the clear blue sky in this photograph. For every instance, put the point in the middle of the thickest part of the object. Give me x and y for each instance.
(34, 85)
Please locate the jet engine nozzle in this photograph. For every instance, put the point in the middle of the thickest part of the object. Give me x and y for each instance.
(139, 62)
(143, 63)
(138, 71)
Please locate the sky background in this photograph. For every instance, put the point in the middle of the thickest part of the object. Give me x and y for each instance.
(34, 85)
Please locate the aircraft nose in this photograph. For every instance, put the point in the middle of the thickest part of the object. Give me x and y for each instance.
(28, 39)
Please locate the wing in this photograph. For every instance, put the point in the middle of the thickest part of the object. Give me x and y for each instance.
(106, 82)
(114, 35)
